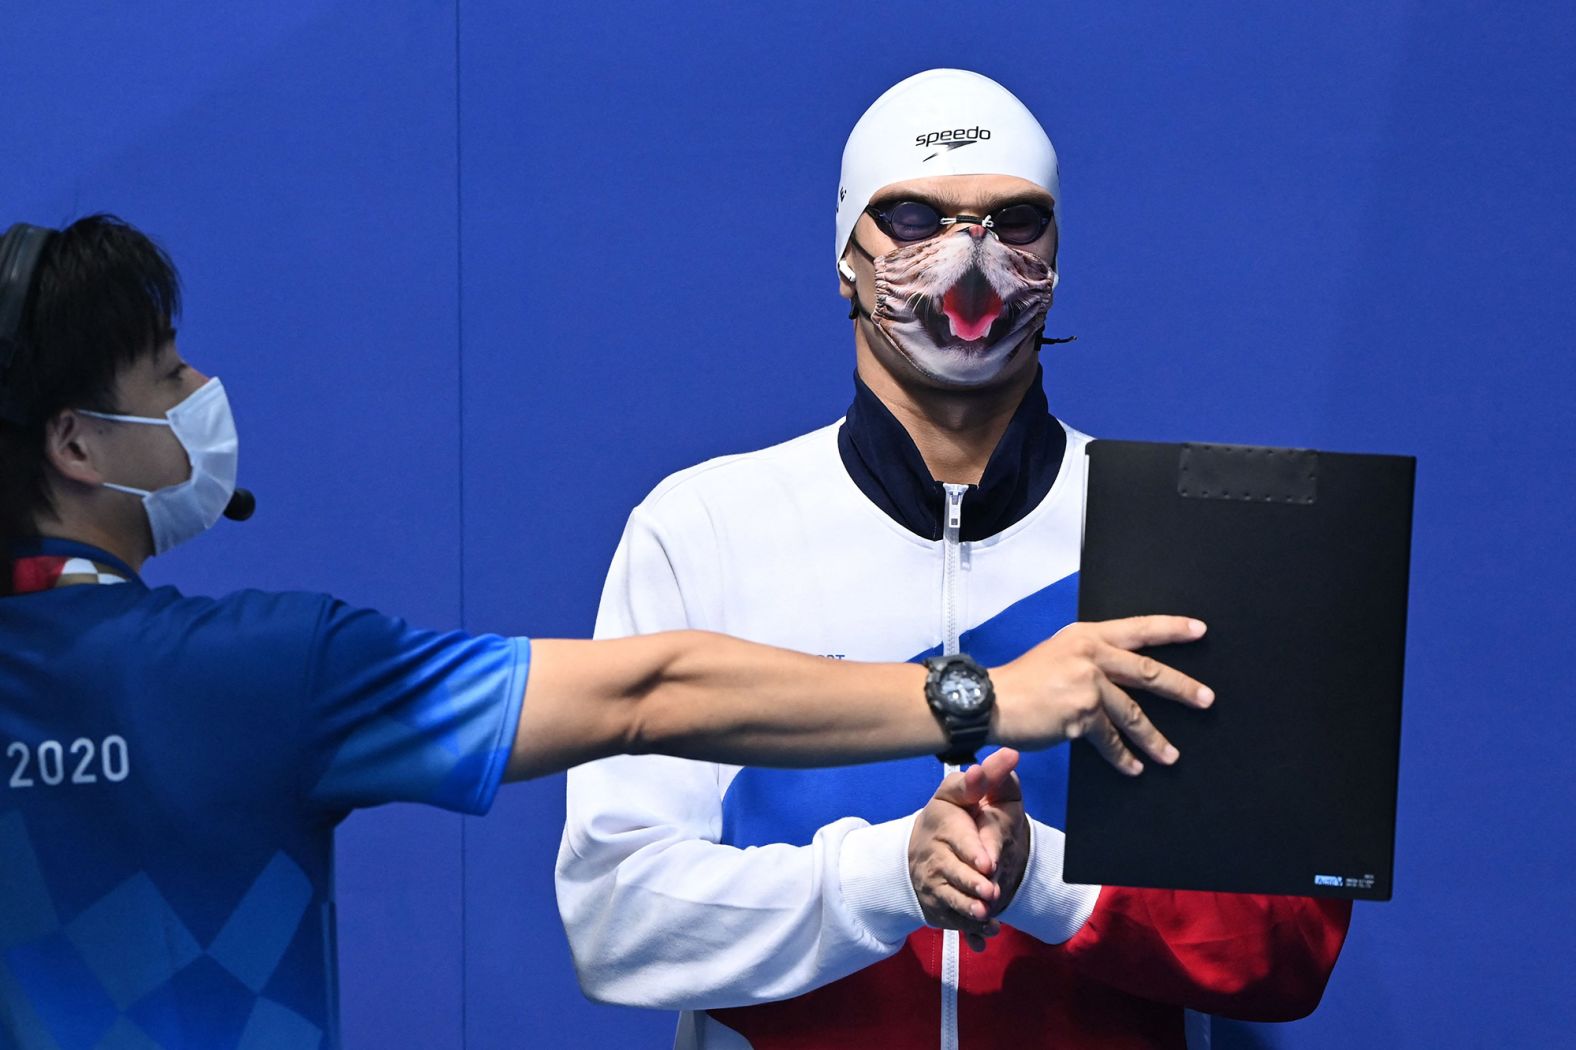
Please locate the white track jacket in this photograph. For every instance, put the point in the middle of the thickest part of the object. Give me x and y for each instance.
(774, 907)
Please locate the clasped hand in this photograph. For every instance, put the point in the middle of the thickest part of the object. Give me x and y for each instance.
(970, 844)
(969, 848)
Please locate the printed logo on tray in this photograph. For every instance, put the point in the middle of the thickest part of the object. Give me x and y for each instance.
(1349, 882)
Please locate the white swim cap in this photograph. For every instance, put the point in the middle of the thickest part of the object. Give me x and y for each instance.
(941, 122)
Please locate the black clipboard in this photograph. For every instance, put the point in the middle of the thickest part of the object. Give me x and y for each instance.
(1299, 562)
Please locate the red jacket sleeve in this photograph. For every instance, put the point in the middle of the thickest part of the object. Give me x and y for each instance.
(1254, 958)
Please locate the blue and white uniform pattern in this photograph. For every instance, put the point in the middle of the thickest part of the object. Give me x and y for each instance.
(174, 770)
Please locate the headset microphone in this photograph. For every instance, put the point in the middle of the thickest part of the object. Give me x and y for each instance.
(241, 506)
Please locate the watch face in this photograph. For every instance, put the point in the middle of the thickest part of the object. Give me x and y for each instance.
(960, 690)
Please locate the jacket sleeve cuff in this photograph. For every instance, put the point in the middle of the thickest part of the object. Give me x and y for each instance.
(873, 873)
(1045, 907)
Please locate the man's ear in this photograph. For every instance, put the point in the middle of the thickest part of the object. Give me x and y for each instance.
(68, 448)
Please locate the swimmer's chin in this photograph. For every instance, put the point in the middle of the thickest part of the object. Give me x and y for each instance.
(944, 372)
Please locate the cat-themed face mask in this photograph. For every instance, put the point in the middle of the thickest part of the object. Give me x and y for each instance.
(961, 306)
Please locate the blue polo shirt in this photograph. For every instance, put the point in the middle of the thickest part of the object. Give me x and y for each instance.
(173, 771)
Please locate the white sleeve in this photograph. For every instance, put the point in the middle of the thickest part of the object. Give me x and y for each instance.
(1046, 907)
(658, 913)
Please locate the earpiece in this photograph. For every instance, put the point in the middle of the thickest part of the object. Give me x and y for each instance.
(846, 270)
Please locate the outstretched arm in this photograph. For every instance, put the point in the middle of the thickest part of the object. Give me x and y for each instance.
(707, 696)
(693, 694)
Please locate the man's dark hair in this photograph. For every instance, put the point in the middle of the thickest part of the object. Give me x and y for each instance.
(103, 296)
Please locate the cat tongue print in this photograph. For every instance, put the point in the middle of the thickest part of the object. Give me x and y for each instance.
(971, 306)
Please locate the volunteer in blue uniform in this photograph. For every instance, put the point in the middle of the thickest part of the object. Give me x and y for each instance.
(175, 766)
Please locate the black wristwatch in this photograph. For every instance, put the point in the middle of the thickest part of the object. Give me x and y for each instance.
(960, 694)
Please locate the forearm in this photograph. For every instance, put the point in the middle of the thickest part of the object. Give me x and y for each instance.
(708, 696)
(660, 915)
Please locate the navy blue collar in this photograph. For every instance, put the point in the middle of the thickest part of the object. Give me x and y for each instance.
(883, 461)
(50, 546)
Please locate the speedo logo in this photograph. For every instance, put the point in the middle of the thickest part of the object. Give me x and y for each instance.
(950, 139)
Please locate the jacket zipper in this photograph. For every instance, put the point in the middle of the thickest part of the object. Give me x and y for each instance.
(952, 560)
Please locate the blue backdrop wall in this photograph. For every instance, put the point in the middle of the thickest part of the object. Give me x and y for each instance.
(478, 274)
